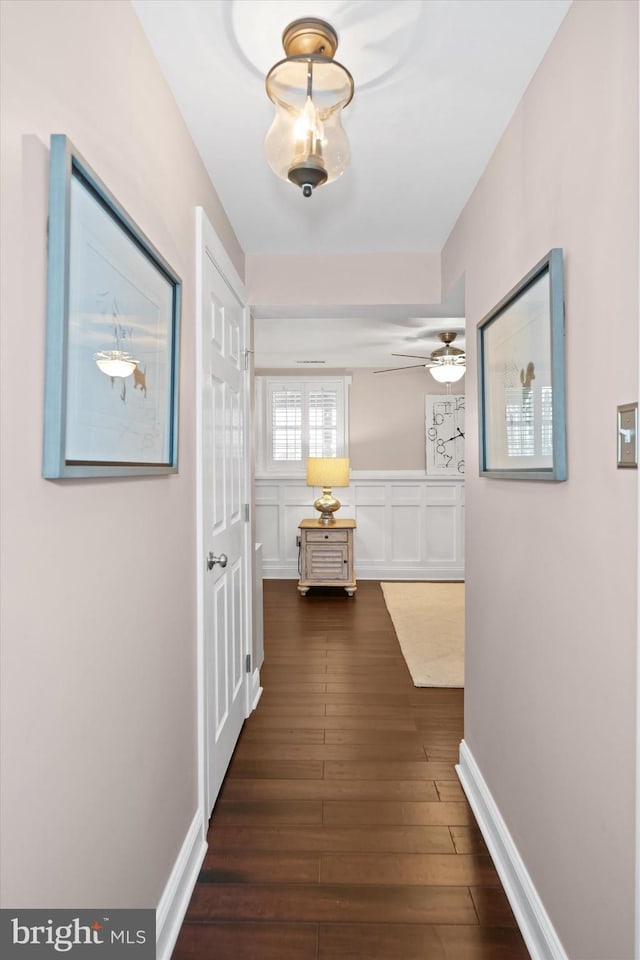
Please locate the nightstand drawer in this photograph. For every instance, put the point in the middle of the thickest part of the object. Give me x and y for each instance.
(335, 536)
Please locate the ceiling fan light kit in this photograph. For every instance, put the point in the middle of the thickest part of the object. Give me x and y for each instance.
(447, 364)
(306, 143)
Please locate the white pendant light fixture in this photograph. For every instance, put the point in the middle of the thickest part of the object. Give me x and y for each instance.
(306, 143)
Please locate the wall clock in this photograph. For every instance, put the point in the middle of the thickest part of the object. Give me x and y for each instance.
(444, 424)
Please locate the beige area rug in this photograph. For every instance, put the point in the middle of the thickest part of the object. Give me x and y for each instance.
(429, 622)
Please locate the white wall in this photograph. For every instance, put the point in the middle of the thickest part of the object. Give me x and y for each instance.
(99, 771)
(387, 418)
(551, 569)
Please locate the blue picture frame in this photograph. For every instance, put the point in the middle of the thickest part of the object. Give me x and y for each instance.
(110, 297)
(521, 379)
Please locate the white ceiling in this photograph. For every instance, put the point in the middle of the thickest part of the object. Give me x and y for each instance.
(436, 84)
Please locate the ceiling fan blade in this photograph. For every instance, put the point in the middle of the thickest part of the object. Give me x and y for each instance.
(411, 366)
(411, 356)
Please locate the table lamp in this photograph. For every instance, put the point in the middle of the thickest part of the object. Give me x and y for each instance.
(327, 472)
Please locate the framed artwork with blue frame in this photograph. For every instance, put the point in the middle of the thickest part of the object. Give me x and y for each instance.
(113, 327)
(521, 379)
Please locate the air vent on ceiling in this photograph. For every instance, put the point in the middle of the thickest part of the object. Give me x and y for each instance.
(311, 361)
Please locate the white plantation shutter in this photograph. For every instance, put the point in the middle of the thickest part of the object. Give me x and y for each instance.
(286, 425)
(299, 418)
(323, 423)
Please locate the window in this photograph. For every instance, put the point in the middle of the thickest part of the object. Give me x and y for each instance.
(298, 418)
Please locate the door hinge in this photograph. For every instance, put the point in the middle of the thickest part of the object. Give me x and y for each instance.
(248, 663)
(247, 515)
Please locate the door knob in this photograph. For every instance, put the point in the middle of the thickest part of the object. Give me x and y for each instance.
(223, 560)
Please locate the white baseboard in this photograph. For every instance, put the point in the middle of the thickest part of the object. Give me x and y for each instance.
(177, 893)
(537, 930)
(256, 689)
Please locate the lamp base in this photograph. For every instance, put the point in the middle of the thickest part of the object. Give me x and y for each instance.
(327, 504)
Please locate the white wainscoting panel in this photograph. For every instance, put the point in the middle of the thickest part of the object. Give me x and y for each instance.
(409, 527)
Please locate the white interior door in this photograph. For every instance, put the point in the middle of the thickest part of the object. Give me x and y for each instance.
(225, 571)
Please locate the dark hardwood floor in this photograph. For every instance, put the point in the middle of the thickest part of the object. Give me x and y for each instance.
(341, 831)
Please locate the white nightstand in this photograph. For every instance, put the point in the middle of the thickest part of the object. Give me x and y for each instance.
(326, 555)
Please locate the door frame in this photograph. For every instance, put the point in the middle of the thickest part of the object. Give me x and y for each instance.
(209, 244)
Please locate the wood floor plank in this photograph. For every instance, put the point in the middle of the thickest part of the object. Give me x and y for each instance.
(395, 738)
(468, 839)
(331, 903)
(299, 688)
(450, 790)
(408, 869)
(271, 708)
(269, 789)
(492, 907)
(249, 812)
(379, 941)
(347, 754)
(378, 768)
(335, 812)
(246, 769)
(260, 866)
(283, 735)
(374, 708)
(337, 723)
(442, 752)
(371, 687)
(361, 699)
(247, 941)
(358, 839)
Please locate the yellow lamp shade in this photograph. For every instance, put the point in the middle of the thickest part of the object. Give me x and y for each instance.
(328, 471)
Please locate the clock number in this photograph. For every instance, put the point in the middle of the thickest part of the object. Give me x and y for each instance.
(460, 466)
(432, 433)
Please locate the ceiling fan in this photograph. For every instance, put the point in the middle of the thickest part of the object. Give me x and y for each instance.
(446, 364)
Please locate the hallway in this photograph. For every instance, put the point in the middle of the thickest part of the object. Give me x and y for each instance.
(341, 830)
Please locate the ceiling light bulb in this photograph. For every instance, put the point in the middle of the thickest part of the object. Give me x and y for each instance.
(308, 126)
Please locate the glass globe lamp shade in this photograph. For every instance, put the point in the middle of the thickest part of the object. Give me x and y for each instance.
(306, 143)
(448, 371)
